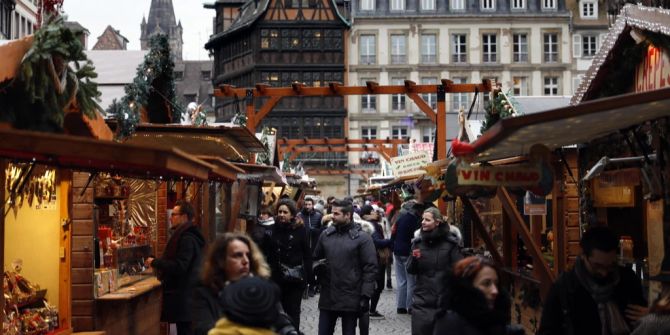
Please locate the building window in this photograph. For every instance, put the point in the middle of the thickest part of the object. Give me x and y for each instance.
(518, 4)
(368, 49)
(588, 9)
(397, 5)
(489, 48)
(459, 51)
(551, 48)
(398, 49)
(369, 133)
(589, 45)
(488, 4)
(520, 48)
(399, 132)
(367, 4)
(548, 4)
(428, 48)
(427, 5)
(550, 85)
(459, 100)
(368, 101)
(398, 100)
(520, 86)
(178, 75)
(457, 5)
(428, 135)
(270, 39)
(429, 98)
(206, 75)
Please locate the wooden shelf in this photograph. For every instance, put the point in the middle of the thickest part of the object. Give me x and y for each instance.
(132, 291)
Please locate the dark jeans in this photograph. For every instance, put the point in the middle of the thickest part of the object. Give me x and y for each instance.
(184, 328)
(374, 300)
(291, 298)
(327, 320)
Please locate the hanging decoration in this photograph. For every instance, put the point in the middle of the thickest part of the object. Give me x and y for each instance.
(55, 77)
(265, 157)
(25, 182)
(152, 92)
(502, 106)
(48, 8)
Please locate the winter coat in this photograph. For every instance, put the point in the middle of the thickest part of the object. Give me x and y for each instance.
(179, 276)
(653, 324)
(470, 314)
(288, 244)
(439, 252)
(350, 269)
(208, 309)
(408, 221)
(311, 218)
(580, 307)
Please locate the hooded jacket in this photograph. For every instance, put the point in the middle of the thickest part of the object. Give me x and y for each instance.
(179, 275)
(312, 218)
(437, 252)
(350, 268)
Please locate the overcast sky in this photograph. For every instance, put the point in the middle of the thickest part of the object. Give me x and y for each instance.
(126, 16)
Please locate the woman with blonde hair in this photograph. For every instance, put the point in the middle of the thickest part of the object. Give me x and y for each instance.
(434, 252)
(230, 258)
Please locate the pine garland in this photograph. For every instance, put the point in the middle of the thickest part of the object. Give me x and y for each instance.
(501, 107)
(153, 88)
(46, 83)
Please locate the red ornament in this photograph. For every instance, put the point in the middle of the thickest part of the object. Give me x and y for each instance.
(48, 8)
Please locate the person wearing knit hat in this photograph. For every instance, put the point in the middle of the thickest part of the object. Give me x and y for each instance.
(249, 308)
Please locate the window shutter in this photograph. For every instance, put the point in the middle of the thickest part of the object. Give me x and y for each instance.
(576, 46)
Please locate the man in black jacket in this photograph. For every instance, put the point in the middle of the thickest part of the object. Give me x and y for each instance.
(179, 267)
(348, 279)
(596, 296)
(312, 219)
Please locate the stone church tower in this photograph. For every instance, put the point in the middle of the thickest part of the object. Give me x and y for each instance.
(162, 21)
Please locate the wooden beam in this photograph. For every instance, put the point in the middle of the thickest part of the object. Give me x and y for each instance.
(423, 106)
(65, 243)
(335, 141)
(517, 221)
(479, 226)
(336, 89)
(266, 108)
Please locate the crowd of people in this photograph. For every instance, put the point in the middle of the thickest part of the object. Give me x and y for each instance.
(342, 251)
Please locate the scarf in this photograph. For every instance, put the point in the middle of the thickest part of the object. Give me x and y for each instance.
(171, 247)
(227, 327)
(611, 319)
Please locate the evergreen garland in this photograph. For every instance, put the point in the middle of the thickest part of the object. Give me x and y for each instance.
(46, 84)
(264, 157)
(152, 88)
(501, 107)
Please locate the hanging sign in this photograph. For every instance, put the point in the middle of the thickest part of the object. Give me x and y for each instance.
(517, 175)
(654, 71)
(534, 205)
(410, 164)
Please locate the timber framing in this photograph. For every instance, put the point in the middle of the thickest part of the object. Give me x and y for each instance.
(296, 147)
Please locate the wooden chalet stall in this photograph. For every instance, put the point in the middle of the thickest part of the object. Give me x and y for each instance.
(261, 185)
(222, 146)
(64, 224)
(556, 129)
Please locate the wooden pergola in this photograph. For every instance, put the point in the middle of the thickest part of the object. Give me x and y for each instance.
(410, 88)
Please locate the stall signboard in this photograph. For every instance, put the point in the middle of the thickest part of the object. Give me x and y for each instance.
(517, 175)
(616, 188)
(654, 71)
(410, 164)
(421, 146)
(534, 204)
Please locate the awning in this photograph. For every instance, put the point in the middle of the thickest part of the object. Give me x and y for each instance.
(77, 153)
(229, 143)
(571, 125)
(263, 172)
(223, 168)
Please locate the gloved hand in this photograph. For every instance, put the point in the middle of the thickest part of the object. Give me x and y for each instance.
(364, 305)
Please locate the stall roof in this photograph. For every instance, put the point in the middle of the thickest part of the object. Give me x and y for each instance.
(241, 139)
(85, 154)
(223, 168)
(571, 125)
(265, 172)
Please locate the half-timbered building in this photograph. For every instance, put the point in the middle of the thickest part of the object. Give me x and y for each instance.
(281, 42)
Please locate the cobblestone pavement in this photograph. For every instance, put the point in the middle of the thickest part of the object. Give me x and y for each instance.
(392, 324)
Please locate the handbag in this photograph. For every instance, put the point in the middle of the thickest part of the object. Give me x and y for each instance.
(292, 274)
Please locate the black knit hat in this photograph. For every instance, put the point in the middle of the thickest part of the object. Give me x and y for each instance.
(251, 301)
(365, 210)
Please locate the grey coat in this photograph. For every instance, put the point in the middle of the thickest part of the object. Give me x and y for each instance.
(350, 269)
